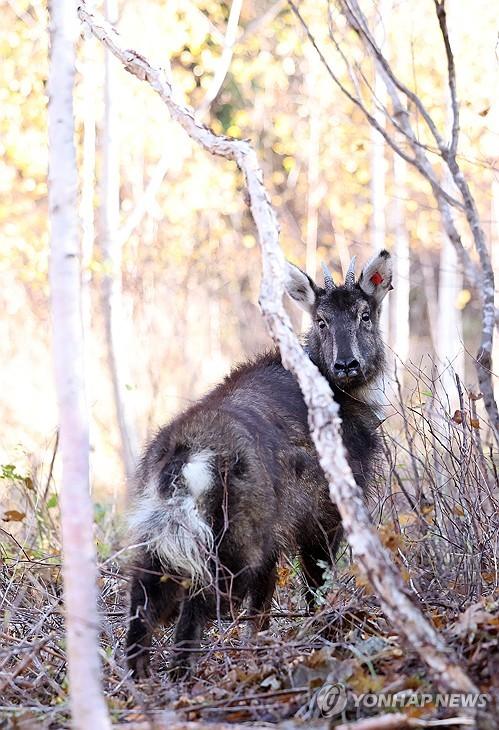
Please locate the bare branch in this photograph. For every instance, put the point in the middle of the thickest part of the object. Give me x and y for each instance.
(483, 280)
(146, 200)
(269, 14)
(359, 23)
(225, 59)
(355, 100)
(426, 170)
(400, 119)
(451, 73)
(487, 284)
(487, 290)
(324, 418)
(399, 721)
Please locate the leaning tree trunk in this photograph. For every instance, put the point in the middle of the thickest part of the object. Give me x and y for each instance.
(324, 419)
(80, 595)
(112, 299)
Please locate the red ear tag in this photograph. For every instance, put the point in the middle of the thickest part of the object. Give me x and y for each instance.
(376, 278)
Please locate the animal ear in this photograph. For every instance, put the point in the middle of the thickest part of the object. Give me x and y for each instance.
(376, 277)
(300, 287)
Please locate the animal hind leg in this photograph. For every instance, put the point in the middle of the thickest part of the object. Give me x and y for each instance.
(194, 614)
(154, 599)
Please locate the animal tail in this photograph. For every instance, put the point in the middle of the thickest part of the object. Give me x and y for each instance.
(166, 517)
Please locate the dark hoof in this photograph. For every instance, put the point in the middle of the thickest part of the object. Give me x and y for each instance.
(139, 666)
(179, 669)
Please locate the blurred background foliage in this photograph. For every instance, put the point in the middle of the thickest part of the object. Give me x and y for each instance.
(191, 264)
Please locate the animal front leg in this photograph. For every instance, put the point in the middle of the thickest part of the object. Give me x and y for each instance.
(313, 574)
(314, 555)
(261, 591)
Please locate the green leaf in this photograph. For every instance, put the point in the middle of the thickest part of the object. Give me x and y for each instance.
(53, 501)
(9, 472)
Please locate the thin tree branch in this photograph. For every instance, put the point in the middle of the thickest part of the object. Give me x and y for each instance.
(487, 284)
(147, 198)
(425, 170)
(323, 412)
(225, 59)
(358, 23)
(481, 280)
(400, 120)
(451, 74)
(399, 721)
(269, 14)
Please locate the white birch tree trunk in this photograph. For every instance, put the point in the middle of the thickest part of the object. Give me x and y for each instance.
(494, 239)
(313, 192)
(88, 176)
(87, 200)
(495, 264)
(378, 172)
(112, 300)
(80, 592)
(400, 311)
(450, 346)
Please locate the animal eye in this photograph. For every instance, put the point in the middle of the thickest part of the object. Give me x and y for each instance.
(321, 323)
(366, 316)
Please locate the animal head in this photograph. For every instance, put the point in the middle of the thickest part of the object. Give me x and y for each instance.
(345, 339)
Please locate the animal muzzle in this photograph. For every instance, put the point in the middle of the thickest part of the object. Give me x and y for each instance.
(346, 368)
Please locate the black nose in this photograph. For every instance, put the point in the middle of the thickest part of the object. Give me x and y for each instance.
(346, 366)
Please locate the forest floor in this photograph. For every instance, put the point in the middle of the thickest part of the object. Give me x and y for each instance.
(285, 673)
